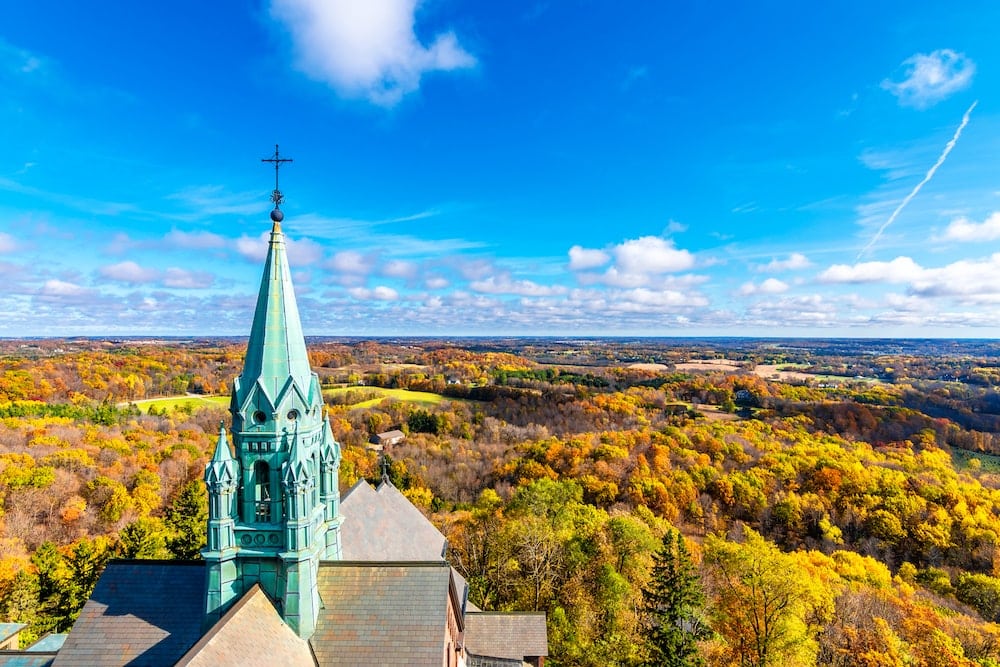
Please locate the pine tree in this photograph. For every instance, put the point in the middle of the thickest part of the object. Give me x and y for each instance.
(673, 600)
(187, 517)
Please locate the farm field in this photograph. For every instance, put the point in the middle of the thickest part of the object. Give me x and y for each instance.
(405, 395)
(172, 403)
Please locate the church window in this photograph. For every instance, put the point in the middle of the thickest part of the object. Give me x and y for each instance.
(262, 492)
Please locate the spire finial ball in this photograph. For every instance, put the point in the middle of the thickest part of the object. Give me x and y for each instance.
(277, 215)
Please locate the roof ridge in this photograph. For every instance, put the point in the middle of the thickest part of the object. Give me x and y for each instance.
(217, 627)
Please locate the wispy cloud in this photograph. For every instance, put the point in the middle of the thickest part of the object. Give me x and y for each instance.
(795, 262)
(931, 77)
(927, 177)
(131, 273)
(194, 240)
(214, 200)
(20, 62)
(7, 243)
(93, 206)
(366, 49)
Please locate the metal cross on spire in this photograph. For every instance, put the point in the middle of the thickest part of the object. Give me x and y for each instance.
(277, 161)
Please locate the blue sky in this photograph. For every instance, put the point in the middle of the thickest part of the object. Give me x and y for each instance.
(564, 168)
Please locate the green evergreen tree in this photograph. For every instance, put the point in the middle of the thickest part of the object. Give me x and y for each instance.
(673, 600)
(143, 538)
(187, 518)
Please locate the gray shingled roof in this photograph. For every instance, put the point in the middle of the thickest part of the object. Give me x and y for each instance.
(383, 525)
(251, 634)
(512, 636)
(382, 613)
(141, 613)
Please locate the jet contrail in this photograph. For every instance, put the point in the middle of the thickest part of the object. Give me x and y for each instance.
(928, 177)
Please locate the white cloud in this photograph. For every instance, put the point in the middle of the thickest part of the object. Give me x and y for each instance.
(129, 272)
(436, 282)
(194, 240)
(380, 293)
(794, 262)
(351, 261)
(769, 286)
(973, 281)
(899, 270)
(581, 259)
(643, 299)
(504, 285)
(963, 229)
(61, 288)
(183, 279)
(399, 268)
(254, 249)
(931, 77)
(651, 254)
(674, 227)
(300, 252)
(366, 49)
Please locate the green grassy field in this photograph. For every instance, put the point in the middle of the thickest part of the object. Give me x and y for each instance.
(988, 462)
(418, 397)
(174, 402)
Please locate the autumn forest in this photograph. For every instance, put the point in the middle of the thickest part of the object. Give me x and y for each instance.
(666, 502)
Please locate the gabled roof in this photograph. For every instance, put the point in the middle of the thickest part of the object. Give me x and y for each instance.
(513, 636)
(143, 612)
(382, 613)
(251, 633)
(383, 525)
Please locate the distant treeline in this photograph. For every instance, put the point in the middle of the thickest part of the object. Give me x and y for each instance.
(104, 414)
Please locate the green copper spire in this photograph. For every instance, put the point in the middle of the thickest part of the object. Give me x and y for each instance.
(275, 510)
(276, 352)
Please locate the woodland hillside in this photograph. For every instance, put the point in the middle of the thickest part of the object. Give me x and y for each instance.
(721, 503)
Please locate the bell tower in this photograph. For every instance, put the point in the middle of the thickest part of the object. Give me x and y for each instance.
(280, 514)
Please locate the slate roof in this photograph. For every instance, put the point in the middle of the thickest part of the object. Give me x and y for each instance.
(50, 642)
(382, 525)
(506, 635)
(26, 658)
(251, 634)
(142, 612)
(382, 613)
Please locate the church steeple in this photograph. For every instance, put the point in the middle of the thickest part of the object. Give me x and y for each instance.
(276, 360)
(286, 513)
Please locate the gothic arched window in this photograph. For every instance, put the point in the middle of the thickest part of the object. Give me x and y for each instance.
(262, 492)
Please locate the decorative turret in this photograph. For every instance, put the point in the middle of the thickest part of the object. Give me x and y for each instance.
(221, 475)
(286, 512)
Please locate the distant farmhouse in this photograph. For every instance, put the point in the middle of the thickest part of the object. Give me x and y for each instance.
(387, 438)
(292, 574)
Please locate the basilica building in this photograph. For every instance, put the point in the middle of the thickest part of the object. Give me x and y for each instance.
(292, 573)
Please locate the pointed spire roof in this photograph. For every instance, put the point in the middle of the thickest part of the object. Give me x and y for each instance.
(277, 348)
(222, 467)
